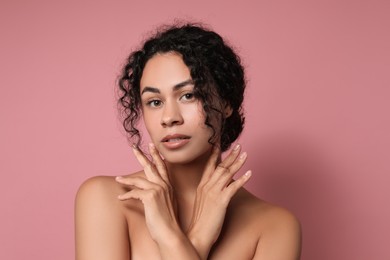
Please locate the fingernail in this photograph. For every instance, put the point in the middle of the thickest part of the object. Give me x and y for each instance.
(236, 147)
(248, 174)
(134, 146)
(151, 145)
(118, 178)
(243, 155)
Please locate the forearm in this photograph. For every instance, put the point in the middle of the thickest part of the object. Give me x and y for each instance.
(202, 247)
(178, 246)
(202, 242)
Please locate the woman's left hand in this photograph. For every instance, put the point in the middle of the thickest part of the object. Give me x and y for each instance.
(214, 193)
(156, 194)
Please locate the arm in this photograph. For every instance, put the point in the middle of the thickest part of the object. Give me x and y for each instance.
(101, 229)
(214, 194)
(155, 193)
(281, 240)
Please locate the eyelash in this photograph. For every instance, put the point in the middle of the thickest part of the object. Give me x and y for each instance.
(192, 96)
(152, 103)
(187, 96)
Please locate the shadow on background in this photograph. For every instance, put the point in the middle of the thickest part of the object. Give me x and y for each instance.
(295, 173)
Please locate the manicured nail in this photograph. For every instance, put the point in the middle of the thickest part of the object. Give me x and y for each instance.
(236, 147)
(151, 145)
(118, 178)
(243, 156)
(248, 174)
(134, 146)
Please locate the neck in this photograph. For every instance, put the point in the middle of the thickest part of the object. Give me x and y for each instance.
(185, 178)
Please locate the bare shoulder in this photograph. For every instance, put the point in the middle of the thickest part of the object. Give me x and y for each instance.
(258, 209)
(96, 186)
(277, 229)
(100, 222)
(101, 189)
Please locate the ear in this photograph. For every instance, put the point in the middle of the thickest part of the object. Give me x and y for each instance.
(228, 111)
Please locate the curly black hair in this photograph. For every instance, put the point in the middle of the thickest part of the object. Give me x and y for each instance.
(216, 70)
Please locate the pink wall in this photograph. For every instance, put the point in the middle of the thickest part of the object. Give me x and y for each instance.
(318, 124)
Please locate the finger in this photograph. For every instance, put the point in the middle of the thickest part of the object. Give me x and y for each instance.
(236, 166)
(138, 182)
(229, 160)
(212, 161)
(237, 184)
(140, 156)
(148, 166)
(158, 162)
(133, 194)
(149, 196)
(225, 166)
(225, 175)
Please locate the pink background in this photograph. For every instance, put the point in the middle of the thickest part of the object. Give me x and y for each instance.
(318, 124)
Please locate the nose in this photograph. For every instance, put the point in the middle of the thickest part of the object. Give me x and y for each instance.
(171, 115)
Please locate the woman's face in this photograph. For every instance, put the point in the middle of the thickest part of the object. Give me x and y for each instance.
(173, 116)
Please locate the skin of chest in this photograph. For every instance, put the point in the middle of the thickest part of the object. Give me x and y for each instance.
(238, 239)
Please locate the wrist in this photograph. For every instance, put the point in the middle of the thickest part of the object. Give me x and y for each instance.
(177, 246)
(172, 237)
(201, 245)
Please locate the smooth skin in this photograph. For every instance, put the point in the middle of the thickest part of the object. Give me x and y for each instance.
(187, 205)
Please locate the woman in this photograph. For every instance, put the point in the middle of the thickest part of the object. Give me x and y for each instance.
(188, 85)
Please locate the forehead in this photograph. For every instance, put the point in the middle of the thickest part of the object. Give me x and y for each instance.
(164, 70)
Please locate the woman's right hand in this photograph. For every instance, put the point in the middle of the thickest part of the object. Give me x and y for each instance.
(214, 193)
(156, 194)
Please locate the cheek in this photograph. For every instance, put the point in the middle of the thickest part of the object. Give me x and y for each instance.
(150, 120)
(195, 114)
(196, 119)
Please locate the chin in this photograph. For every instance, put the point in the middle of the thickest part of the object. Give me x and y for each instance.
(178, 159)
(186, 156)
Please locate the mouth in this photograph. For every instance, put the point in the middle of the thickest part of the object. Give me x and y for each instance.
(175, 138)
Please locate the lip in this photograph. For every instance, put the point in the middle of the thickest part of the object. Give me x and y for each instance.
(175, 141)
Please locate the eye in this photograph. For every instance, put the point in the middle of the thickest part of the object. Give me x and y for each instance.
(188, 96)
(154, 103)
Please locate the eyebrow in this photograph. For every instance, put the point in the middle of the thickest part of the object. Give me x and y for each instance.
(175, 87)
